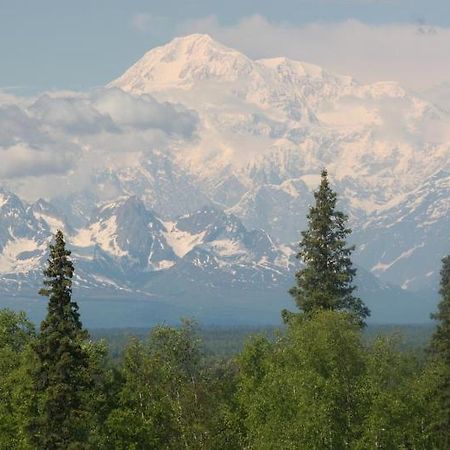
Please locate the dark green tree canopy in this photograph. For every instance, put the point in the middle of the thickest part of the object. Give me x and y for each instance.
(61, 360)
(441, 337)
(440, 349)
(58, 287)
(326, 280)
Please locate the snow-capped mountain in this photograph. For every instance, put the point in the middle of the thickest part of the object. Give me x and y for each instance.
(22, 234)
(269, 126)
(216, 209)
(207, 241)
(125, 245)
(24, 240)
(205, 263)
(418, 233)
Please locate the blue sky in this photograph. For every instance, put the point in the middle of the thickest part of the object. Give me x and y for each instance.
(79, 45)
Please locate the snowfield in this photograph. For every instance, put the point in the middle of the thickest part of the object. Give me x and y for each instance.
(223, 199)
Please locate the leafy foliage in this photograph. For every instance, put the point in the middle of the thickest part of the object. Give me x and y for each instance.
(302, 391)
(167, 398)
(16, 334)
(321, 386)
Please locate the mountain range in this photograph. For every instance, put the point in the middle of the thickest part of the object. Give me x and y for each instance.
(205, 221)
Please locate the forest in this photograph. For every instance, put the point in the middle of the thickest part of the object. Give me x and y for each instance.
(322, 381)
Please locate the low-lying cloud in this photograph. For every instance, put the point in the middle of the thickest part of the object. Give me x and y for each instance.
(61, 134)
(22, 160)
(144, 112)
(73, 115)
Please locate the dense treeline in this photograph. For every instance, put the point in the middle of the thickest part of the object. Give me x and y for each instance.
(318, 385)
(220, 342)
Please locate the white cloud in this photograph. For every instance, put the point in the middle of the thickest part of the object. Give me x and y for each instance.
(17, 125)
(58, 141)
(416, 55)
(74, 115)
(150, 23)
(22, 160)
(144, 112)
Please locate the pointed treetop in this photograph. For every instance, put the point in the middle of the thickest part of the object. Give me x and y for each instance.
(326, 279)
(59, 373)
(440, 343)
(59, 268)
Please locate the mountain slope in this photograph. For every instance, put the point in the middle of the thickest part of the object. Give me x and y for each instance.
(206, 264)
(266, 126)
(206, 217)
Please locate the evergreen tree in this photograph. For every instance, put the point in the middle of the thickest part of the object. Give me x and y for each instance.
(59, 375)
(440, 344)
(325, 282)
(440, 349)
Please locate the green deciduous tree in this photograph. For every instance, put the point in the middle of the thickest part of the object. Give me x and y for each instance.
(320, 386)
(392, 413)
(326, 280)
(164, 401)
(16, 334)
(303, 391)
(224, 420)
(60, 375)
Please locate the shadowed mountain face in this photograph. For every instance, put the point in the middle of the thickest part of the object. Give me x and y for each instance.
(207, 217)
(206, 264)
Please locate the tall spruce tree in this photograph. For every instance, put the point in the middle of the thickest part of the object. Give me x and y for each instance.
(440, 348)
(326, 280)
(59, 375)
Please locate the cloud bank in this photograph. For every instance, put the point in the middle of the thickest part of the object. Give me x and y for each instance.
(45, 140)
(416, 55)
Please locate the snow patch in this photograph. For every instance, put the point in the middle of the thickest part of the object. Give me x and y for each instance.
(103, 234)
(181, 242)
(311, 180)
(54, 223)
(164, 264)
(3, 200)
(21, 255)
(382, 267)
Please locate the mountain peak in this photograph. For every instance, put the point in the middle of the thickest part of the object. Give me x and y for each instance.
(195, 39)
(7, 197)
(195, 45)
(183, 61)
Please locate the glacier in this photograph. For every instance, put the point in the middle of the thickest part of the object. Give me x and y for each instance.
(206, 219)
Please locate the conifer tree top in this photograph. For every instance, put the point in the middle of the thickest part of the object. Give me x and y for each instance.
(440, 344)
(61, 360)
(60, 268)
(58, 286)
(326, 279)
